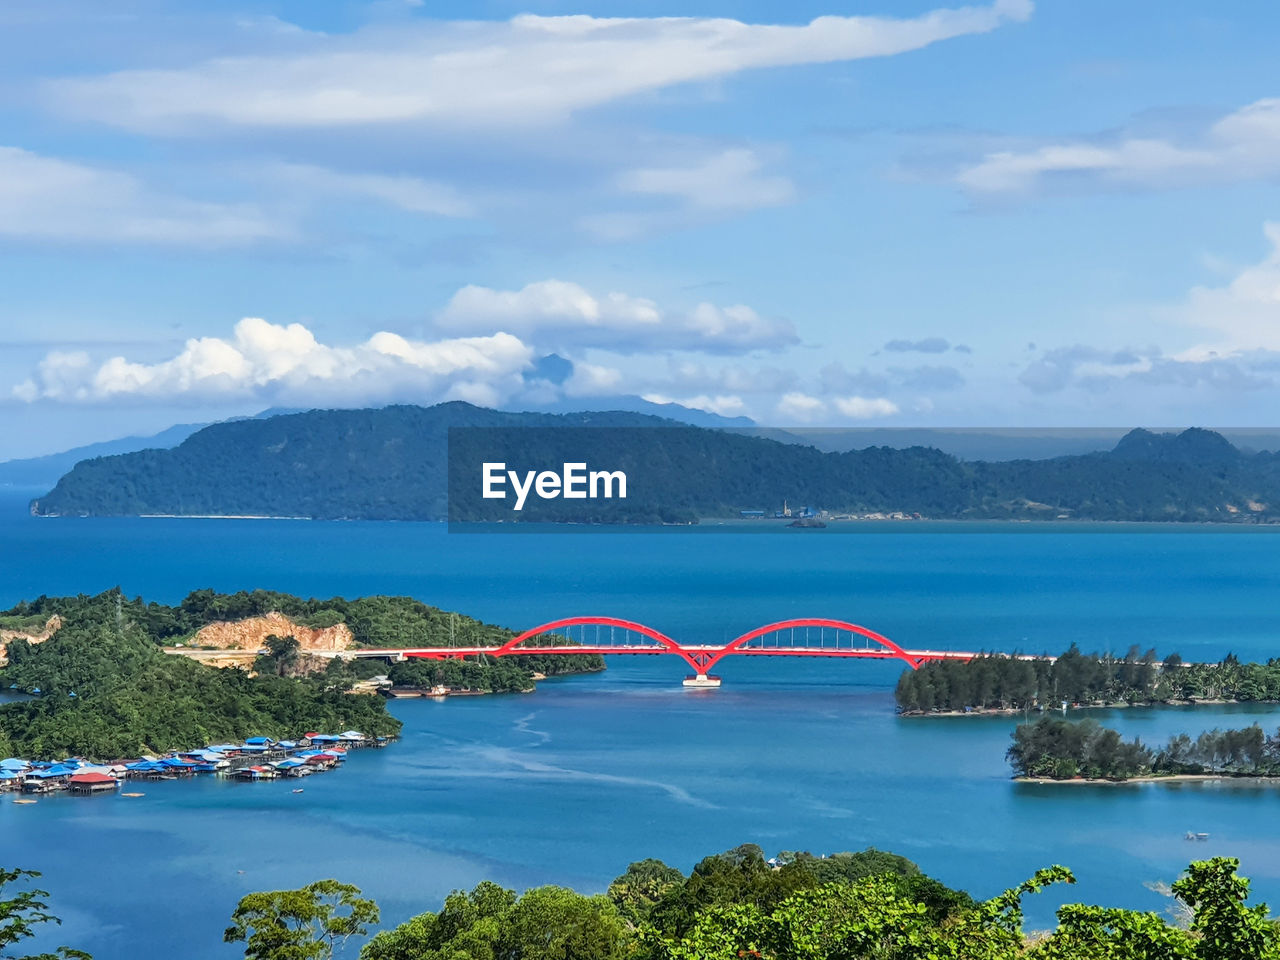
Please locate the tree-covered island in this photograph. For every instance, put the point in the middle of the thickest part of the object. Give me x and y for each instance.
(999, 683)
(1055, 748)
(103, 687)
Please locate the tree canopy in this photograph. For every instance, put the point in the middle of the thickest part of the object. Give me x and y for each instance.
(1002, 682)
(743, 906)
(1060, 749)
(301, 924)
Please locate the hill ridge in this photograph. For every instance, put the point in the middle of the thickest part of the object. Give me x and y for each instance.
(390, 463)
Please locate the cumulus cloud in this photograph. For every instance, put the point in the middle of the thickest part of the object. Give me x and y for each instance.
(1242, 145)
(592, 379)
(800, 407)
(1244, 314)
(45, 198)
(724, 405)
(528, 69)
(865, 408)
(550, 311)
(274, 361)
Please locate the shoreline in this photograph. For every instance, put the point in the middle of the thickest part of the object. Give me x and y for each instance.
(711, 522)
(431, 693)
(1121, 705)
(1244, 779)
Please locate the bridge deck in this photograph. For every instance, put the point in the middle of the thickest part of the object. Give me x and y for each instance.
(771, 640)
(640, 649)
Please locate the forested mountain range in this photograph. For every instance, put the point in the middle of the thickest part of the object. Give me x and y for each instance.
(394, 463)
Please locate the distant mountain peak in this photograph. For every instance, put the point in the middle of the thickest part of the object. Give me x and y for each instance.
(1193, 445)
(628, 403)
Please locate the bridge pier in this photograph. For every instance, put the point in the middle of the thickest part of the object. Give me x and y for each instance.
(702, 680)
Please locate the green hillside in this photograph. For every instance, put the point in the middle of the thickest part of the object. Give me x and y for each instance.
(395, 464)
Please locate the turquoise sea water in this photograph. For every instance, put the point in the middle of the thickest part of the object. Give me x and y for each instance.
(571, 783)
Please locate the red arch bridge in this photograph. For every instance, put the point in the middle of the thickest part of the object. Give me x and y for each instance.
(611, 636)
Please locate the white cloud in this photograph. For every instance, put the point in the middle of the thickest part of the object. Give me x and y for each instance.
(60, 372)
(591, 379)
(549, 311)
(1243, 315)
(865, 408)
(724, 405)
(276, 361)
(1094, 370)
(1241, 352)
(1242, 145)
(528, 69)
(44, 198)
(412, 194)
(801, 407)
(738, 326)
(546, 301)
(729, 180)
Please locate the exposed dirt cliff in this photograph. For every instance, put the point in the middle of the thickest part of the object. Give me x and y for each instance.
(252, 633)
(52, 626)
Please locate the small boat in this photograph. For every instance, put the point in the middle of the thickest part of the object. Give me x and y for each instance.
(1196, 836)
(133, 794)
(297, 790)
(24, 801)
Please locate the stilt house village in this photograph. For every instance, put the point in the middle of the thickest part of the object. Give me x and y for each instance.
(258, 758)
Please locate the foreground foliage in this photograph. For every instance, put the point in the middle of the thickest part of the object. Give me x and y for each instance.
(853, 906)
(304, 924)
(861, 906)
(23, 913)
(1061, 749)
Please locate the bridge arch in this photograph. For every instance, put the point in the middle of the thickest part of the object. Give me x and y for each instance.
(701, 658)
(893, 650)
(512, 645)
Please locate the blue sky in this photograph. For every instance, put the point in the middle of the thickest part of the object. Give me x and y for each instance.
(1059, 213)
